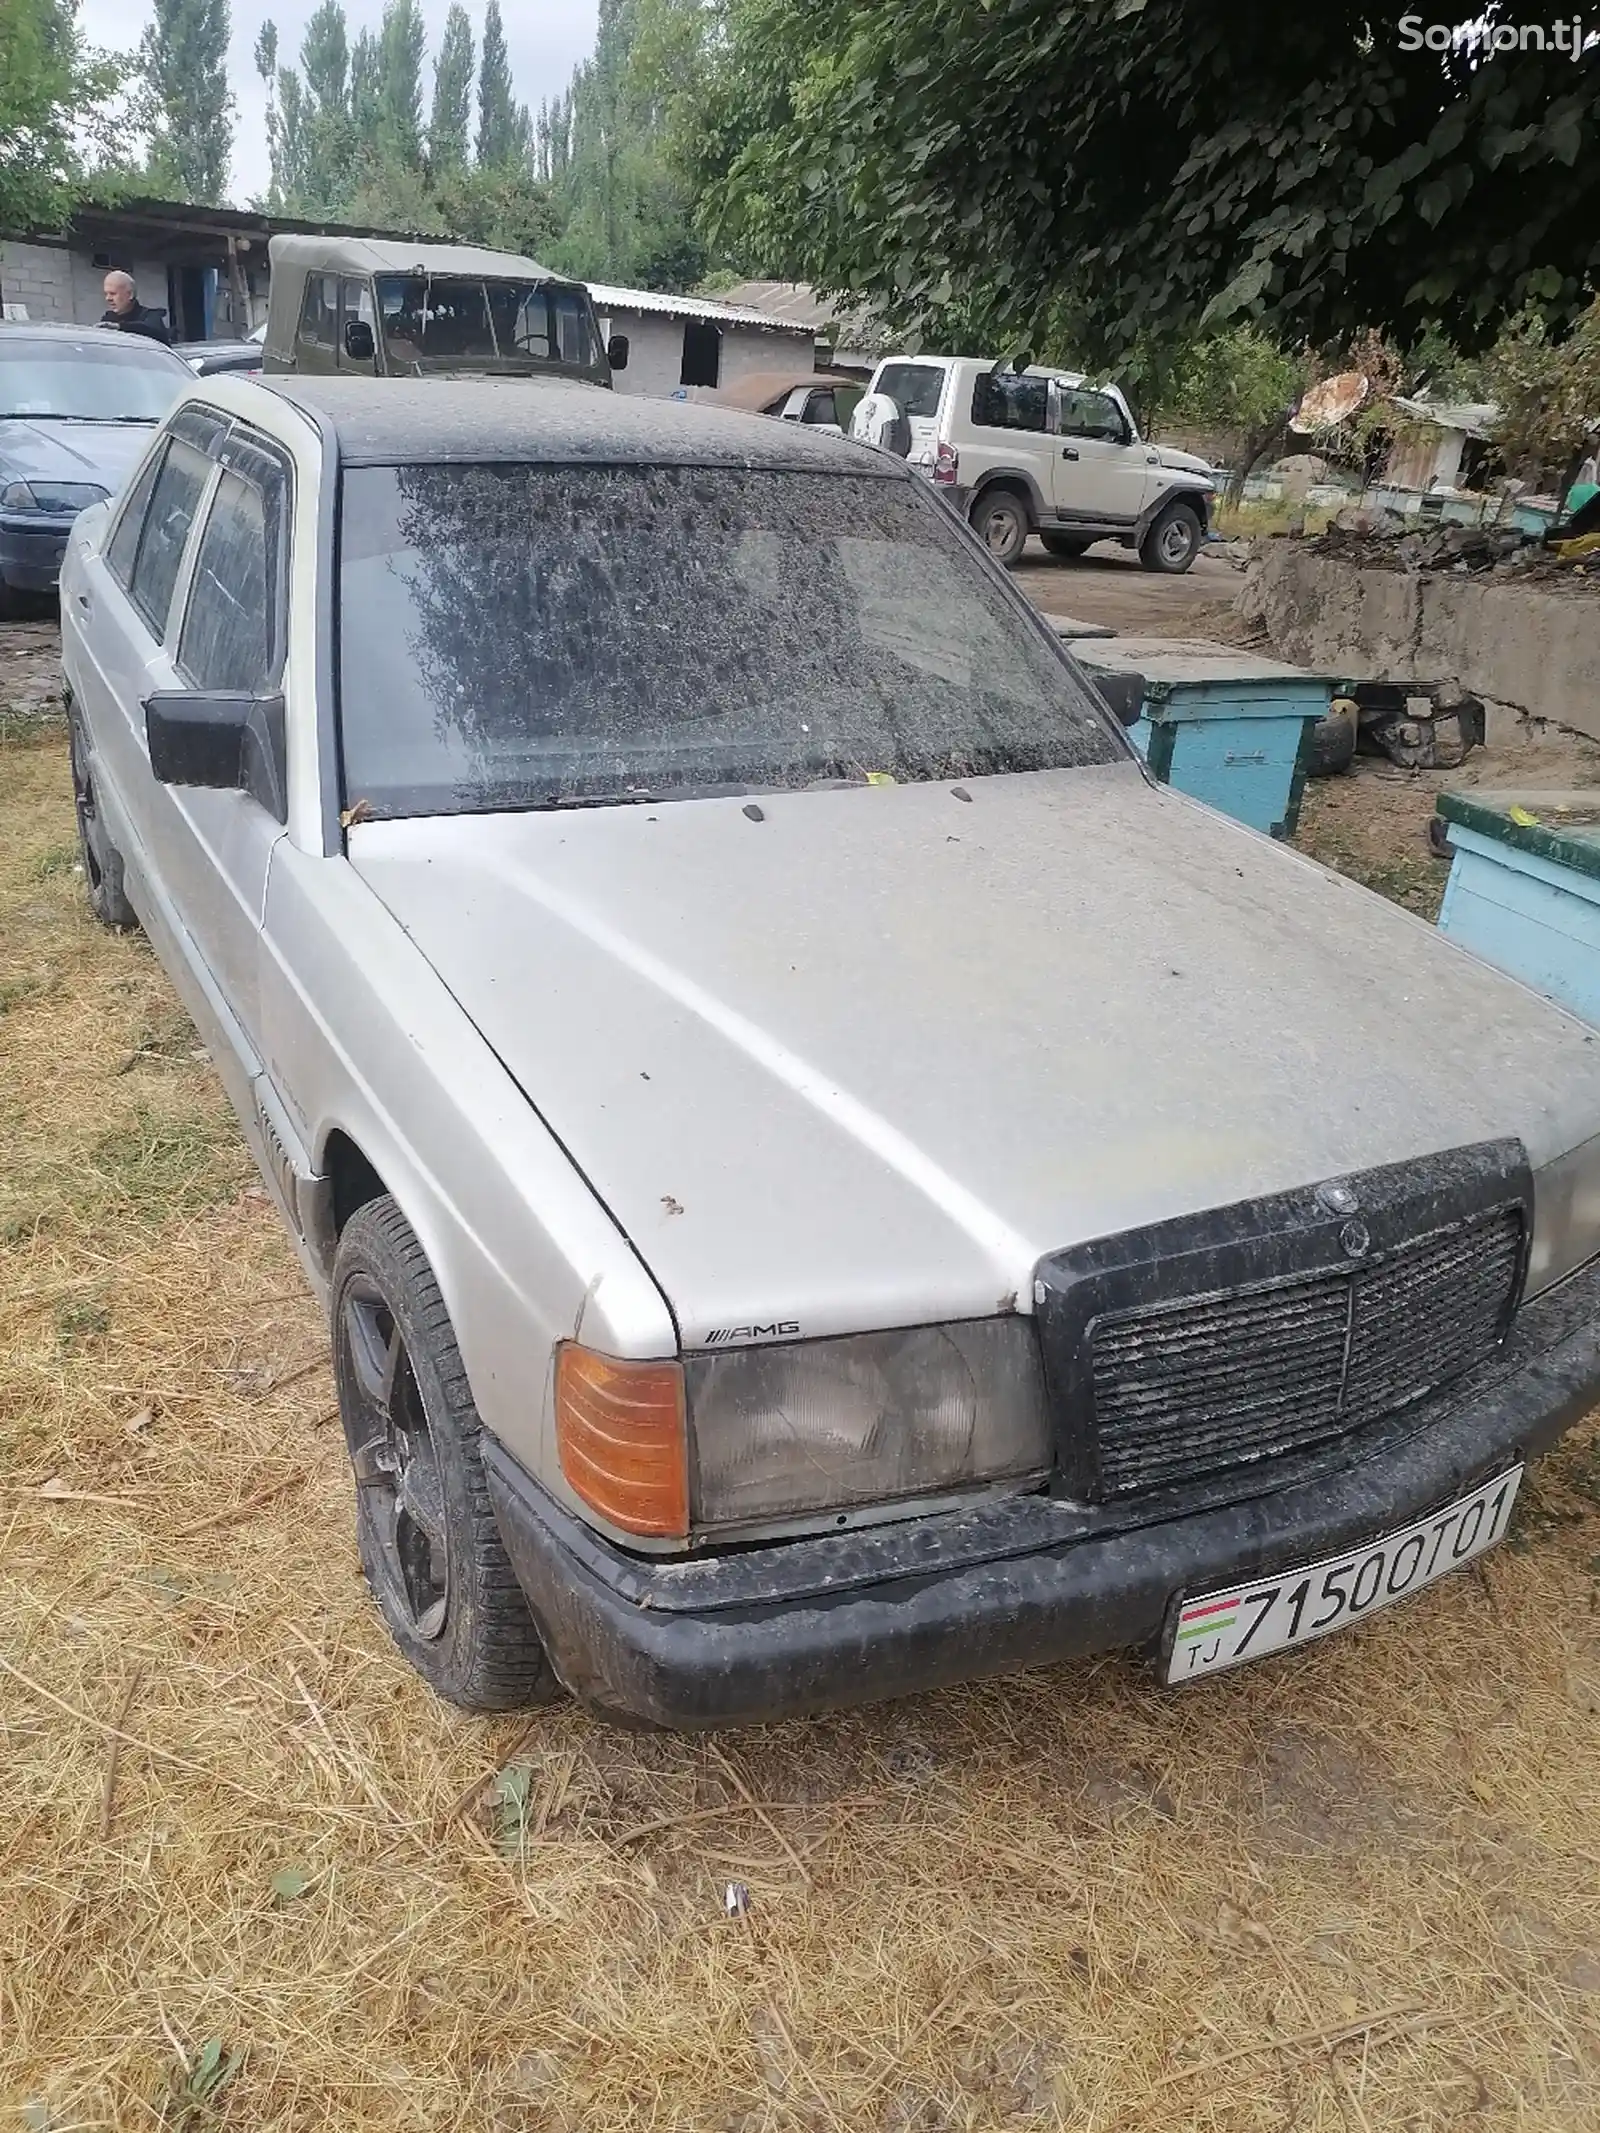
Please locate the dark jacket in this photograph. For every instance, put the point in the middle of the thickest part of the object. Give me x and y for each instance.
(140, 318)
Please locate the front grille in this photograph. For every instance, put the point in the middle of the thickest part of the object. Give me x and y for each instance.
(1182, 1390)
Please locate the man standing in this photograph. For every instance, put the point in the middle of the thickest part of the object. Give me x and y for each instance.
(125, 312)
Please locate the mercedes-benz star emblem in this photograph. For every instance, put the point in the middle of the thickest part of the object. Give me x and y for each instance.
(1338, 1199)
(1356, 1239)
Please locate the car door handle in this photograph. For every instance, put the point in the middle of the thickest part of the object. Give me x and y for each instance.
(83, 602)
(1069, 451)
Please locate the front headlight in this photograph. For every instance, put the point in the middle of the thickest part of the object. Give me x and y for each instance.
(831, 1425)
(51, 496)
(1566, 1216)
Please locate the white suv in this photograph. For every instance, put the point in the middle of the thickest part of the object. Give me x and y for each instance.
(1038, 451)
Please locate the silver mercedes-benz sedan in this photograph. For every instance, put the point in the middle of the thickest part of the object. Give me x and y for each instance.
(826, 1180)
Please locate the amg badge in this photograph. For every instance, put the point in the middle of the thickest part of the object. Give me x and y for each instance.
(725, 1336)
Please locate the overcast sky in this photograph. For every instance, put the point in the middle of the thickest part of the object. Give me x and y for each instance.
(547, 39)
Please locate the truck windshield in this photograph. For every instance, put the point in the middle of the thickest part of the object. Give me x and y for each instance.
(445, 321)
(518, 636)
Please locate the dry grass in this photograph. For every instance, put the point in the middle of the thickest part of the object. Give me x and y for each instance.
(251, 1876)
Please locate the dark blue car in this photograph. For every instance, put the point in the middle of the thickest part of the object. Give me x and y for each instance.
(77, 406)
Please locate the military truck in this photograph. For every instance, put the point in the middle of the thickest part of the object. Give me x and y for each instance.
(396, 307)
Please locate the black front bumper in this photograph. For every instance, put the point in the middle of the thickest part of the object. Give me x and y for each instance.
(31, 552)
(807, 1625)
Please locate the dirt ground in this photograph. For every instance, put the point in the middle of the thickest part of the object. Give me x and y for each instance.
(255, 1878)
(1107, 585)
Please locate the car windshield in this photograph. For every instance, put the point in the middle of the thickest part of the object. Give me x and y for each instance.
(444, 321)
(519, 636)
(105, 377)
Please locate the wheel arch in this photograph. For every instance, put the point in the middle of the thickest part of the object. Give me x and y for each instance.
(1176, 492)
(1016, 478)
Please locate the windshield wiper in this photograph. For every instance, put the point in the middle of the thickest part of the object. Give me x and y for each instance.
(51, 414)
(631, 798)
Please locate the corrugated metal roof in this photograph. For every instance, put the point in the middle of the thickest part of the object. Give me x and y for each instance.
(1476, 417)
(839, 318)
(608, 299)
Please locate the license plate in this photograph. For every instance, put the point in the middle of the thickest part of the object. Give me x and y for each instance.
(1217, 1630)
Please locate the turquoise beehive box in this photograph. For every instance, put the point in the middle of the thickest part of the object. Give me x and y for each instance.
(1524, 888)
(1225, 726)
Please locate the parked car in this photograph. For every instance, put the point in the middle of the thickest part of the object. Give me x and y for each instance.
(827, 1181)
(77, 405)
(1042, 451)
(370, 307)
(208, 358)
(821, 399)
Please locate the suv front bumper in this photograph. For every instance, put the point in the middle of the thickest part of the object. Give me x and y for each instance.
(806, 1625)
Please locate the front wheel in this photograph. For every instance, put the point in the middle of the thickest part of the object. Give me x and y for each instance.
(102, 862)
(999, 518)
(1173, 541)
(430, 1547)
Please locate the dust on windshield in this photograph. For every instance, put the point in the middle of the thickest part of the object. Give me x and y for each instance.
(445, 321)
(524, 636)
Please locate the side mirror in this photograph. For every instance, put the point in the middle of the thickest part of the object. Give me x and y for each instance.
(359, 345)
(617, 351)
(221, 739)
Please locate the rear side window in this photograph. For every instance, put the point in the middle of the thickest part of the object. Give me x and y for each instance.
(230, 628)
(173, 503)
(913, 387)
(124, 543)
(1003, 401)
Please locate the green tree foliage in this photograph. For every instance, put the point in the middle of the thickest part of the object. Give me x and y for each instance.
(184, 59)
(450, 120)
(366, 94)
(500, 117)
(1175, 164)
(1236, 380)
(329, 133)
(402, 46)
(1547, 391)
(345, 132)
(51, 89)
(606, 148)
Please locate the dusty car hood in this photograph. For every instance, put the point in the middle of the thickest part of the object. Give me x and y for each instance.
(102, 452)
(864, 1060)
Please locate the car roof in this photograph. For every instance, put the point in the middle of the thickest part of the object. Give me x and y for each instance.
(406, 421)
(1033, 370)
(403, 255)
(102, 336)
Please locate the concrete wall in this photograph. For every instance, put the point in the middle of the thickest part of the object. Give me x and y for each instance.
(58, 284)
(655, 352)
(1528, 654)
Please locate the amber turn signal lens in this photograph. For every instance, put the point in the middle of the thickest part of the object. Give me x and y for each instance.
(623, 1442)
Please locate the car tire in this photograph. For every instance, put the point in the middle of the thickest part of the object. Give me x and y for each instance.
(430, 1548)
(10, 605)
(100, 859)
(1000, 519)
(1173, 542)
(1066, 544)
